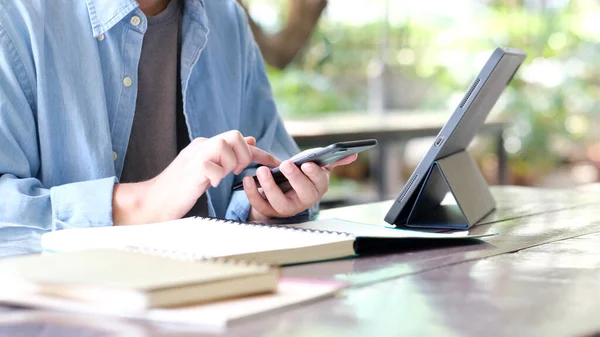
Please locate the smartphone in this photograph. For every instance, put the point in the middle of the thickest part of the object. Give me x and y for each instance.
(321, 156)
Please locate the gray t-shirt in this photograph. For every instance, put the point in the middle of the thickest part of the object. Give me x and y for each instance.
(153, 143)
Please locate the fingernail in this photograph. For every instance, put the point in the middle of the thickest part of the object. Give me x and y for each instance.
(260, 172)
(286, 167)
(309, 168)
(247, 181)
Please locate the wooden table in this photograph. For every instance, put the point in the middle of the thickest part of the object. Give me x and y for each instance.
(388, 129)
(539, 277)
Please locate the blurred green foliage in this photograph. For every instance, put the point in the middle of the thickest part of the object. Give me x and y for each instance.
(305, 93)
(553, 100)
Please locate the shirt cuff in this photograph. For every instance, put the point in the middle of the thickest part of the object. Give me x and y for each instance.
(83, 204)
(239, 207)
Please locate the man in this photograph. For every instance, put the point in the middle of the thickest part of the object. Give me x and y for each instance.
(99, 100)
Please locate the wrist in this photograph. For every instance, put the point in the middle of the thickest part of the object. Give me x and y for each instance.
(255, 216)
(129, 204)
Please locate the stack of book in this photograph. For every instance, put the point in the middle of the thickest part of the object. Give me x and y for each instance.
(153, 286)
(193, 271)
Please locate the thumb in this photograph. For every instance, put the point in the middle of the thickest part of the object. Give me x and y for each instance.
(250, 141)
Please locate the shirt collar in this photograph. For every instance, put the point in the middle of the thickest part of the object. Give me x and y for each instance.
(104, 14)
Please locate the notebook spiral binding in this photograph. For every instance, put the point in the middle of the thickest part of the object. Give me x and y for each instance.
(278, 227)
(193, 257)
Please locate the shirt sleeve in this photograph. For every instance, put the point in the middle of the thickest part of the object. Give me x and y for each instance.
(259, 119)
(26, 205)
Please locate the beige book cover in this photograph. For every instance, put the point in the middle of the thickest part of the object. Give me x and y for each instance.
(133, 279)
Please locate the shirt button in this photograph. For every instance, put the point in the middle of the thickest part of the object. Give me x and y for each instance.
(127, 81)
(115, 156)
(135, 20)
(100, 37)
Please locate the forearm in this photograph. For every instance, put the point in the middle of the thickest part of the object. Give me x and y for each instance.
(148, 202)
(128, 205)
(26, 203)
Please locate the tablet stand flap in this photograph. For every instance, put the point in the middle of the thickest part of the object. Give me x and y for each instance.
(458, 175)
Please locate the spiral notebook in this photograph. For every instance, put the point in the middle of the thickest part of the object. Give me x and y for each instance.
(133, 280)
(274, 244)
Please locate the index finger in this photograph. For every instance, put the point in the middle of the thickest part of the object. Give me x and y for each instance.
(342, 162)
(264, 158)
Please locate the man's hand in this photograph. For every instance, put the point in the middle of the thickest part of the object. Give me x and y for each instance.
(309, 183)
(203, 163)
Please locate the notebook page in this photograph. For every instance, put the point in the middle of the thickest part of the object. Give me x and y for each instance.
(202, 237)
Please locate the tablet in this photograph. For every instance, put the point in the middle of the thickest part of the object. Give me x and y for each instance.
(458, 132)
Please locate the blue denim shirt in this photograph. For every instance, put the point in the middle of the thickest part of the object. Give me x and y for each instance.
(67, 98)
